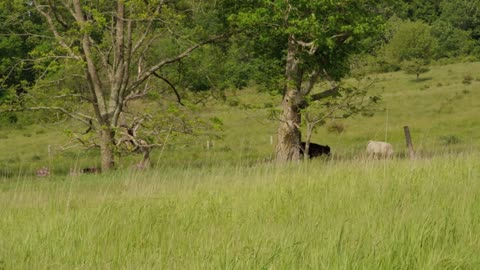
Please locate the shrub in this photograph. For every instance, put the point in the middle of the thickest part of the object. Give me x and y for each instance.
(337, 127)
(449, 140)
(233, 102)
(467, 79)
(268, 105)
(425, 87)
(415, 67)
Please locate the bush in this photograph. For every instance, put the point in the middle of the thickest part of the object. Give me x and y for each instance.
(335, 127)
(233, 102)
(415, 67)
(449, 140)
(467, 79)
(9, 118)
(425, 87)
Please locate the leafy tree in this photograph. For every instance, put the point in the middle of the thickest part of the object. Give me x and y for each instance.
(312, 40)
(462, 14)
(350, 99)
(20, 30)
(109, 54)
(412, 46)
(452, 41)
(415, 66)
(418, 10)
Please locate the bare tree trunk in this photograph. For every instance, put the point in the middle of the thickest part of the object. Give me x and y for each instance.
(288, 145)
(106, 148)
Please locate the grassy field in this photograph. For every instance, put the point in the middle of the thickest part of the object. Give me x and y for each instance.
(441, 110)
(356, 214)
(228, 208)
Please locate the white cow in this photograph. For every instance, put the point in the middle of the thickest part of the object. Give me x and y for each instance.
(379, 149)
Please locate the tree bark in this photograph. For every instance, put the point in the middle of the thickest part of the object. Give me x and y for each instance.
(288, 145)
(106, 136)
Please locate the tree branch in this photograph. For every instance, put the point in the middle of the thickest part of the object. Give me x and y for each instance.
(58, 37)
(174, 59)
(179, 99)
(77, 116)
(147, 30)
(332, 92)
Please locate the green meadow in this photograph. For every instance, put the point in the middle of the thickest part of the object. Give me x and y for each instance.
(354, 214)
(229, 207)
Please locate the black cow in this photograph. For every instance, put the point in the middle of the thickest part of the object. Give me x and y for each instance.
(315, 150)
(92, 170)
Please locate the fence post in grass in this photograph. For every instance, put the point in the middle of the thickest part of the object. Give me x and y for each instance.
(49, 149)
(271, 140)
(408, 138)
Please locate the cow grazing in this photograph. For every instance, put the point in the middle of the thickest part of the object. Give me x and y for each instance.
(379, 149)
(315, 150)
(91, 170)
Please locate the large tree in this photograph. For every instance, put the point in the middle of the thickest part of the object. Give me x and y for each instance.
(107, 54)
(314, 41)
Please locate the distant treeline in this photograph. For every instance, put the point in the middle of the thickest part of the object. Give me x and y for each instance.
(422, 31)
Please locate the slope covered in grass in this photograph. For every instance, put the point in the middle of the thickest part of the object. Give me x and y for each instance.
(441, 110)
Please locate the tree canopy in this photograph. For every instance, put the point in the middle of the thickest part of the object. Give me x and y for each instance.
(125, 68)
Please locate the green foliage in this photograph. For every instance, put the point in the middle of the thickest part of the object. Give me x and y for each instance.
(336, 29)
(20, 29)
(462, 14)
(452, 41)
(418, 10)
(412, 40)
(415, 66)
(412, 47)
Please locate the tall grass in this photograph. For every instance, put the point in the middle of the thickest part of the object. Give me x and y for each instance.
(336, 214)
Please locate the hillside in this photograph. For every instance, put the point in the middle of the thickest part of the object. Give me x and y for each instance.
(222, 208)
(441, 110)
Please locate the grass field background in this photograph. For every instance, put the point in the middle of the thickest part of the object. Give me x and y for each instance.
(229, 208)
(355, 214)
(441, 110)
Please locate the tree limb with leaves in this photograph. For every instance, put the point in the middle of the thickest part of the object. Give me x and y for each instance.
(113, 54)
(317, 39)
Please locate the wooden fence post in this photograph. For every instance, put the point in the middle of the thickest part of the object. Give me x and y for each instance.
(408, 138)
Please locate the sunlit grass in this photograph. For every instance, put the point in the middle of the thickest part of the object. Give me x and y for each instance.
(228, 207)
(436, 108)
(354, 214)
